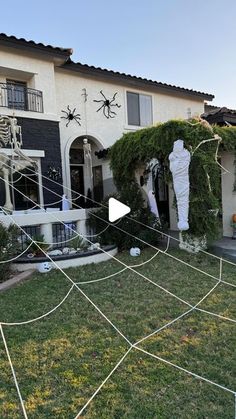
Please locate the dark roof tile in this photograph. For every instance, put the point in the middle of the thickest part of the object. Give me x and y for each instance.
(23, 42)
(79, 67)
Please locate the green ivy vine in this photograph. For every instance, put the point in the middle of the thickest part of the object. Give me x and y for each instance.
(137, 148)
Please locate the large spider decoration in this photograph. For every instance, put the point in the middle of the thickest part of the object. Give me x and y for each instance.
(107, 105)
(70, 115)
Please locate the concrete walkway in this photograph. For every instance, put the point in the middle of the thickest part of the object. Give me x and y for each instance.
(16, 279)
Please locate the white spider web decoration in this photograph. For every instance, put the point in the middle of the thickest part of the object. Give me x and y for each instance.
(132, 346)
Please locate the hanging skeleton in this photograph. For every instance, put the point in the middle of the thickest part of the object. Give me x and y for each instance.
(87, 155)
(10, 134)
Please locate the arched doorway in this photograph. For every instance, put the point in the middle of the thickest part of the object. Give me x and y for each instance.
(86, 175)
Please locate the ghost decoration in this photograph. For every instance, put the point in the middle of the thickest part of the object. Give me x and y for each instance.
(44, 267)
(179, 167)
(135, 251)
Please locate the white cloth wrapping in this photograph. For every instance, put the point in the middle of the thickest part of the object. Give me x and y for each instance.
(65, 203)
(179, 167)
(66, 207)
(153, 204)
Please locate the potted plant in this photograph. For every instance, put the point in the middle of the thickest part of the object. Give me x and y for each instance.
(38, 248)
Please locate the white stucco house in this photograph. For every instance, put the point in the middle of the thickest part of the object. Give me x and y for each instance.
(43, 88)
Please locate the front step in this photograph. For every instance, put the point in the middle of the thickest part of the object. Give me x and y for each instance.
(225, 248)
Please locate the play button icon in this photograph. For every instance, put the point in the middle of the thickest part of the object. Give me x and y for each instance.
(117, 209)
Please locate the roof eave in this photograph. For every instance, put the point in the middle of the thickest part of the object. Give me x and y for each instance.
(132, 81)
(34, 48)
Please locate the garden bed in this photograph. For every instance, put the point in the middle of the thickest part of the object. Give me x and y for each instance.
(67, 260)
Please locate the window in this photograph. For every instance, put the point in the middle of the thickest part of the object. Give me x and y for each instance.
(139, 109)
(27, 186)
(17, 94)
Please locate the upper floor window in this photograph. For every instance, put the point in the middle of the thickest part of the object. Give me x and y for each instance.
(139, 109)
(16, 95)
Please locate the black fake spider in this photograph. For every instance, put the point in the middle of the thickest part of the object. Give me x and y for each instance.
(106, 106)
(70, 115)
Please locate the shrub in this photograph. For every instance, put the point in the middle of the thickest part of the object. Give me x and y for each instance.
(9, 247)
(131, 196)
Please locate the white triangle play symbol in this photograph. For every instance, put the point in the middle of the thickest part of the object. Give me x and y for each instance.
(117, 209)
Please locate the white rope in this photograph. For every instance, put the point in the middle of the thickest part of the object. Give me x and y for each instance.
(119, 272)
(102, 250)
(138, 273)
(143, 241)
(185, 370)
(18, 256)
(126, 216)
(39, 317)
(136, 238)
(186, 312)
(13, 373)
(216, 315)
(70, 279)
(87, 297)
(104, 382)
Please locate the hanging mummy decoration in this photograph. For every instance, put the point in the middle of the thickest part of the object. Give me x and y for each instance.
(179, 166)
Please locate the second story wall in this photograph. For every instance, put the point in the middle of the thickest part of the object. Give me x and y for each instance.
(69, 91)
(37, 73)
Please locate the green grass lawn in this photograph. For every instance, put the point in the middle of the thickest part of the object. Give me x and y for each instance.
(62, 359)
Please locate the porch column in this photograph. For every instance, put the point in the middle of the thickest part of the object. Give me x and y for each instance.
(46, 230)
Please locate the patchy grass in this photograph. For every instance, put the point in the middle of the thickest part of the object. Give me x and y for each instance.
(62, 359)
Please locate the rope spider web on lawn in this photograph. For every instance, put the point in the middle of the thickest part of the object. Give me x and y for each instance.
(134, 346)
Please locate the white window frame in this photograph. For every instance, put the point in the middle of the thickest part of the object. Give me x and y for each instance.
(136, 127)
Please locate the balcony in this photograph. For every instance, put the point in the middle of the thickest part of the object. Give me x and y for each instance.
(20, 97)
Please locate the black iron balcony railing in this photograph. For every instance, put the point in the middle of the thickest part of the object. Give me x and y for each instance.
(17, 96)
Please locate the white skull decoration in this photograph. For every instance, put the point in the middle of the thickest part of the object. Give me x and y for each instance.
(44, 267)
(135, 251)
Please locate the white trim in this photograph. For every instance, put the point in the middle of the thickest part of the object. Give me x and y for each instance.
(29, 114)
(136, 127)
(66, 157)
(28, 153)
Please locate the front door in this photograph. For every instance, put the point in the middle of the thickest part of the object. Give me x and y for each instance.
(77, 185)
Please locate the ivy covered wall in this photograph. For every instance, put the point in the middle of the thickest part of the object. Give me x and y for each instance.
(139, 147)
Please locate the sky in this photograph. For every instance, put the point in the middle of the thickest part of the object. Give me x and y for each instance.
(188, 43)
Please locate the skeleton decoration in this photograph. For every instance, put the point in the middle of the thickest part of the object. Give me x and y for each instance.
(10, 134)
(107, 105)
(179, 166)
(87, 155)
(70, 116)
